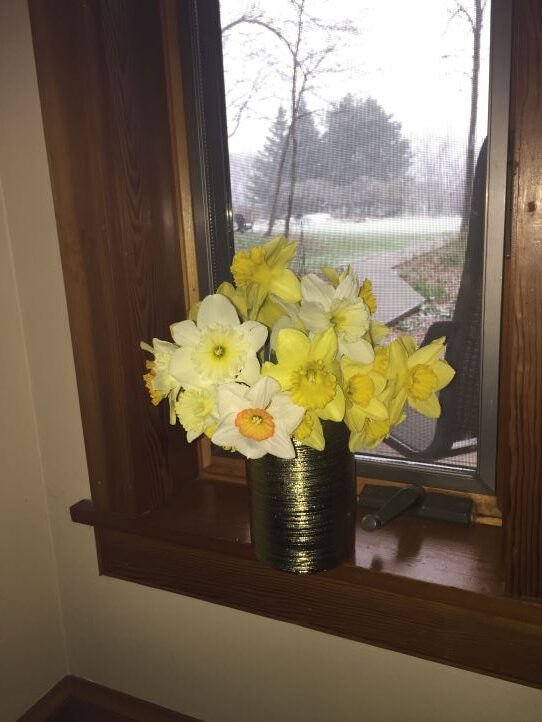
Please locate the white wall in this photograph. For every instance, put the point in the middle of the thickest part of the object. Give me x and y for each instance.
(211, 662)
(32, 649)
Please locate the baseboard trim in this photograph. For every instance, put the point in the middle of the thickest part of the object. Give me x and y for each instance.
(68, 699)
(49, 705)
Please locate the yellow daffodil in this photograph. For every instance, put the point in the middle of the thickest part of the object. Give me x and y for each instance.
(333, 276)
(377, 332)
(366, 294)
(307, 370)
(310, 431)
(238, 296)
(257, 420)
(374, 431)
(197, 411)
(263, 270)
(362, 388)
(421, 373)
(340, 309)
(218, 348)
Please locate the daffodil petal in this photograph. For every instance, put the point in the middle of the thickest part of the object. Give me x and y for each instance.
(280, 444)
(316, 438)
(428, 407)
(276, 246)
(280, 255)
(331, 275)
(183, 369)
(216, 308)
(185, 333)
(355, 443)
(231, 399)
(163, 346)
(314, 317)
(250, 372)
(360, 351)
(444, 373)
(355, 417)
(226, 433)
(375, 409)
(292, 345)
(255, 333)
(334, 411)
(283, 408)
(250, 448)
(396, 407)
(314, 290)
(286, 285)
(379, 382)
(348, 287)
(378, 331)
(192, 436)
(282, 374)
(283, 322)
(323, 347)
(427, 354)
(262, 392)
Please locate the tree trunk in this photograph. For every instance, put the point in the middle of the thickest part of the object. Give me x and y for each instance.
(296, 99)
(278, 183)
(293, 161)
(471, 142)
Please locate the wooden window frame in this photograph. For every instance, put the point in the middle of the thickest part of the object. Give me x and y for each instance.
(167, 515)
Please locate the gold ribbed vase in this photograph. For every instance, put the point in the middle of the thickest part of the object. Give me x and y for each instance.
(303, 510)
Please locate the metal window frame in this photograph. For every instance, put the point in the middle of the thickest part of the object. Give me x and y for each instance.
(203, 77)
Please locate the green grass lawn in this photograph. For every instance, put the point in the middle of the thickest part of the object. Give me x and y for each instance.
(338, 250)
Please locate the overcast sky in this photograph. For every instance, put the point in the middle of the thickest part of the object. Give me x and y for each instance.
(408, 55)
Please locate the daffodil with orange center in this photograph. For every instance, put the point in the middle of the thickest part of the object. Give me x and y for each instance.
(258, 420)
(159, 381)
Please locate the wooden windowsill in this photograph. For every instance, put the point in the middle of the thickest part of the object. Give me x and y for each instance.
(425, 588)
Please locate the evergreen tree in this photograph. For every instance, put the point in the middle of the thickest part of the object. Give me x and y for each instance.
(309, 145)
(363, 145)
(266, 165)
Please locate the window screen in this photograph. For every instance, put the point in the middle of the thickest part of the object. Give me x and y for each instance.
(363, 133)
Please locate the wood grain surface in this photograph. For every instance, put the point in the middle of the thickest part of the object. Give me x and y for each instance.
(522, 497)
(425, 588)
(101, 77)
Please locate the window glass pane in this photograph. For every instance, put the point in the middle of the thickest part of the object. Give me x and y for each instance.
(355, 129)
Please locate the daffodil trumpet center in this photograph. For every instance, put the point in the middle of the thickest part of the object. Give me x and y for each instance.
(421, 381)
(313, 385)
(257, 424)
(220, 353)
(360, 390)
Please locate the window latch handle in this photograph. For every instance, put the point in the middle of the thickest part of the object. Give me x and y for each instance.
(400, 502)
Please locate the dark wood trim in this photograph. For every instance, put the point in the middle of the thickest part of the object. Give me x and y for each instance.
(74, 699)
(426, 589)
(51, 702)
(522, 335)
(102, 85)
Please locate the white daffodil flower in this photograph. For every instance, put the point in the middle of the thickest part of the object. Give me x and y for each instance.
(158, 379)
(340, 308)
(218, 348)
(257, 420)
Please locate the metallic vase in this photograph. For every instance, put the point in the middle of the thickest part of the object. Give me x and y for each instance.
(303, 510)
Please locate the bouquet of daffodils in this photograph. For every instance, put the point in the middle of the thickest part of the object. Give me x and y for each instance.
(269, 358)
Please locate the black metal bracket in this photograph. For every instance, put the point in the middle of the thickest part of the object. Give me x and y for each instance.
(390, 502)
